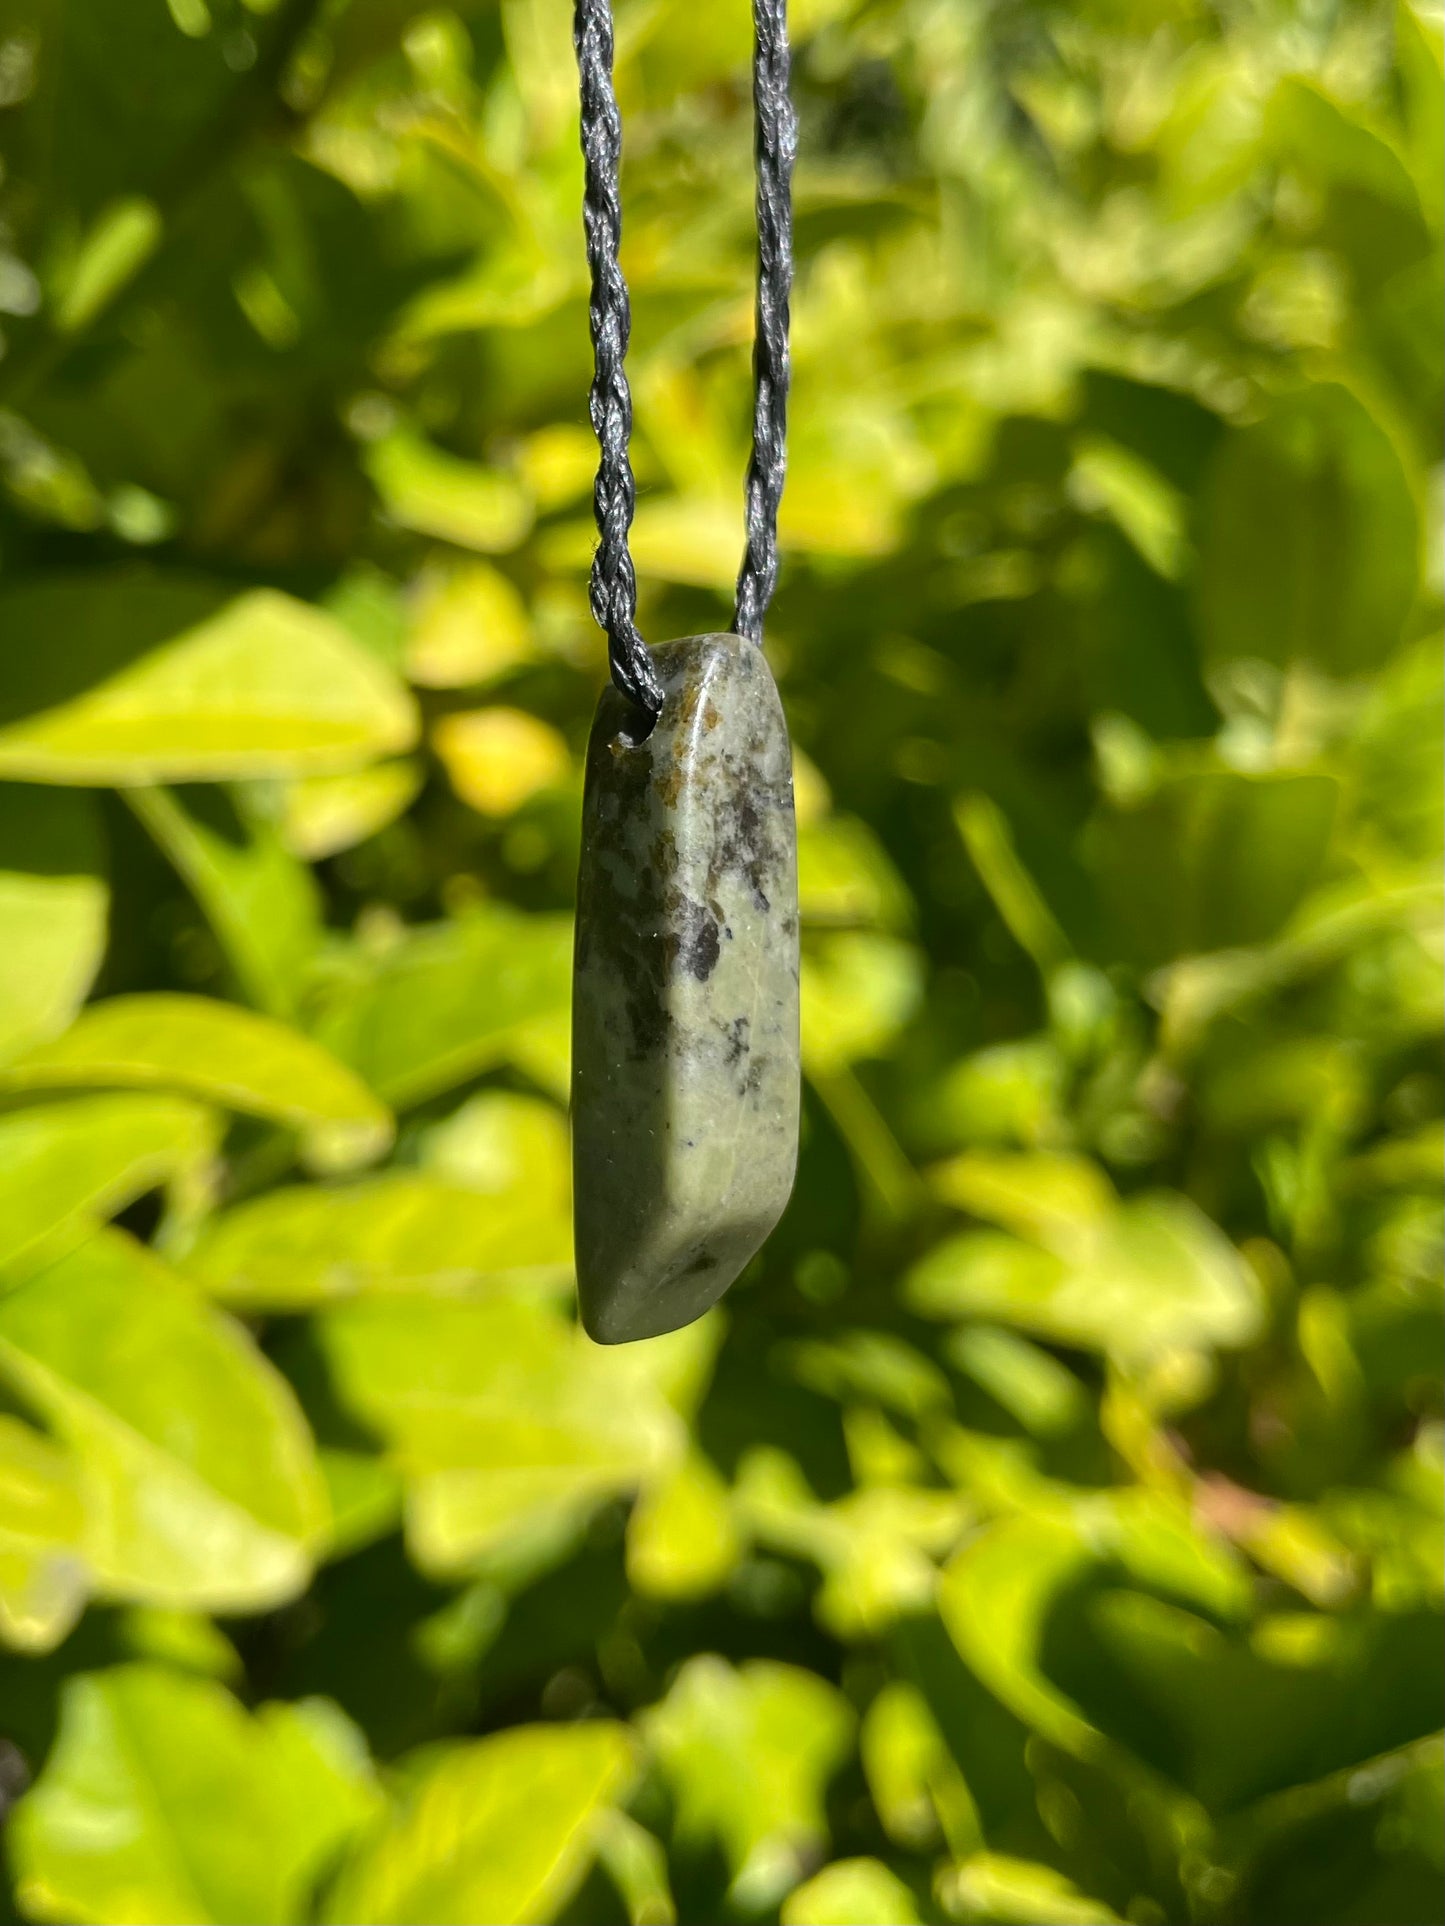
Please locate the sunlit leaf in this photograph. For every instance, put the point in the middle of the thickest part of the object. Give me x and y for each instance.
(124, 234)
(637, 1866)
(63, 1166)
(877, 1546)
(995, 1598)
(294, 1248)
(323, 814)
(449, 1000)
(42, 1573)
(262, 904)
(1017, 1892)
(849, 1892)
(53, 912)
(497, 759)
(846, 879)
(913, 1779)
(425, 488)
(470, 626)
(195, 1469)
(858, 990)
(163, 680)
(499, 1411)
(233, 1057)
(500, 1829)
(681, 1538)
(749, 1753)
(1153, 1273)
(159, 1791)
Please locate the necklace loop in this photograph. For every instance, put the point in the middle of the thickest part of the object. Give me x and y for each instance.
(614, 580)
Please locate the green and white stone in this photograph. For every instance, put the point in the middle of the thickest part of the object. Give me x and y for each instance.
(685, 992)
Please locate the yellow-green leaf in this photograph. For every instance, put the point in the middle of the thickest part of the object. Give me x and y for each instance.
(449, 1000)
(497, 759)
(261, 902)
(500, 1830)
(165, 1802)
(195, 1469)
(53, 909)
(295, 1248)
(424, 488)
(234, 1057)
(323, 814)
(749, 1753)
(851, 1892)
(470, 627)
(42, 1574)
(500, 1412)
(64, 1166)
(138, 678)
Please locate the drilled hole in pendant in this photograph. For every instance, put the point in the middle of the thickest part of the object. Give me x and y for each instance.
(638, 727)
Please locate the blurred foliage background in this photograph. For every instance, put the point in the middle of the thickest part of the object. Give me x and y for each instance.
(1048, 1528)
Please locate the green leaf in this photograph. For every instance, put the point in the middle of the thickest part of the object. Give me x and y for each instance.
(261, 902)
(637, 1866)
(234, 1057)
(858, 991)
(125, 235)
(500, 1142)
(470, 627)
(500, 1830)
(1418, 52)
(1211, 860)
(876, 1545)
(845, 878)
(1152, 1275)
(916, 1786)
(681, 1538)
(1042, 1394)
(500, 1412)
(296, 1248)
(995, 1597)
(321, 815)
(1310, 538)
(1060, 1201)
(195, 1468)
(42, 1574)
(53, 910)
(992, 1887)
(425, 488)
(163, 680)
(749, 1753)
(1315, 130)
(989, 841)
(851, 1892)
(63, 1166)
(163, 1801)
(448, 1001)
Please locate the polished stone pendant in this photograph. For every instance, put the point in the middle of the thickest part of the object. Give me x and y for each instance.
(685, 992)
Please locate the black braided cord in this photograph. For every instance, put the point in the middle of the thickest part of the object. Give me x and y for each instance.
(775, 147)
(614, 581)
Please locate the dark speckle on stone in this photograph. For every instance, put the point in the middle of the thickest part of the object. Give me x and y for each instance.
(697, 939)
(737, 1040)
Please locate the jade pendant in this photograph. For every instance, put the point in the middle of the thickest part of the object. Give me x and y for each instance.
(685, 992)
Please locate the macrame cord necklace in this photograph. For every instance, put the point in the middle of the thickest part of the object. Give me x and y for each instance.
(685, 989)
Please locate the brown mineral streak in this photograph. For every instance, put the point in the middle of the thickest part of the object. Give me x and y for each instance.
(685, 1015)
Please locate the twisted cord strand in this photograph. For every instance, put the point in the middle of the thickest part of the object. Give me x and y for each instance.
(614, 495)
(614, 580)
(775, 147)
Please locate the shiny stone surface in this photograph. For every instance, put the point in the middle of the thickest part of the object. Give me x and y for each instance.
(685, 994)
